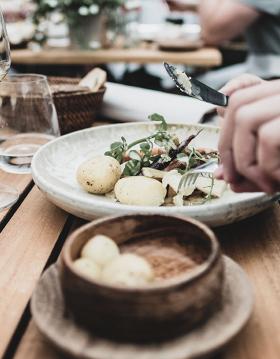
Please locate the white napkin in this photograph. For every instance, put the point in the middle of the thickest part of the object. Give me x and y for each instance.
(128, 104)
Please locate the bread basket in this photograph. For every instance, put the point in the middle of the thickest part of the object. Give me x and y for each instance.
(76, 109)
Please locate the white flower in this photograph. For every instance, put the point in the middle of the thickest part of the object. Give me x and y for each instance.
(52, 3)
(94, 9)
(83, 11)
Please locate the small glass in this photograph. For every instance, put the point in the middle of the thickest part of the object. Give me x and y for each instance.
(28, 120)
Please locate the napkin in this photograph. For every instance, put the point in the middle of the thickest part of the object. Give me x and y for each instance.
(127, 104)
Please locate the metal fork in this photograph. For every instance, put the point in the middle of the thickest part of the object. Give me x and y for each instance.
(206, 169)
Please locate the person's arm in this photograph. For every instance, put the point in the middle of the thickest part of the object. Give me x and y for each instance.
(223, 20)
(250, 139)
(183, 5)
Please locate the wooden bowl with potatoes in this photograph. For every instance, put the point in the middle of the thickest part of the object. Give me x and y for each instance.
(142, 278)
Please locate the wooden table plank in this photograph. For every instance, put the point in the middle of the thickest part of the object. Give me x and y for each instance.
(34, 346)
(254, 244)
(205, 57)
(25, 246)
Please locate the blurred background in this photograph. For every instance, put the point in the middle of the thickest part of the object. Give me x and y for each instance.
(83, 26)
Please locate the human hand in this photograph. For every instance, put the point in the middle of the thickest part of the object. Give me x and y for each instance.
(183, 5)
(238, 83)
(250, 139)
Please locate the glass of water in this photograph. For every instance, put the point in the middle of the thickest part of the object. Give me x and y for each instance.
(28, 120)
(8, 194)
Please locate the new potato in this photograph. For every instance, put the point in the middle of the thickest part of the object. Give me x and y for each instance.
(99, 174)
(101, 250)
(128, 270)
(140, 190)
(87, 267)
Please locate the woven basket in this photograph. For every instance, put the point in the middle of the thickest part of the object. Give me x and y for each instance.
(75, 110)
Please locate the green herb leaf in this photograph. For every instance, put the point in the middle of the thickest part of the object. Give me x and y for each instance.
(116, 145)
(159, 118)
(145, 147)
(132, 168)
(134, 155)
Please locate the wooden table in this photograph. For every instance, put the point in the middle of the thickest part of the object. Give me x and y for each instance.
(205, 57)
(33, 233)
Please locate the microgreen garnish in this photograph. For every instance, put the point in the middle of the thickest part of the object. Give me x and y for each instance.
(159, 118)
(132, 168)
(117, 150)
(143, 157)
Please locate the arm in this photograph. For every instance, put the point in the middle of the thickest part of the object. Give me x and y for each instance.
(223, 20)
(181, 5)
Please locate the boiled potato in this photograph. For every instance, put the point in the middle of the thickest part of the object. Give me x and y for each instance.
(100, 249)
(153, 173)
(87, 267)
(128, 270)
(99, 174)
(140, 190)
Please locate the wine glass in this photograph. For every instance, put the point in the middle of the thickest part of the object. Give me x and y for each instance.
(28, 120)
(8, 195)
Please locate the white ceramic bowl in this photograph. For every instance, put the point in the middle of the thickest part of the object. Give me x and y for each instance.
(54, 171)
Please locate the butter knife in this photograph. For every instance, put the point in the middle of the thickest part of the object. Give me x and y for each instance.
(194, 88)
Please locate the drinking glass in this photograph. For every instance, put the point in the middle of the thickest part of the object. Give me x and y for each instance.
(28, 120)
(8, 195)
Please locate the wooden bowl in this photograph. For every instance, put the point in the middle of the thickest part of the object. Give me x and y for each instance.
(188, 267)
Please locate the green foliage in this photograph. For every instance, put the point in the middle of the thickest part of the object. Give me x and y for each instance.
(132, 168)
(73, 10)
(117, 150)
(143, 156)
(159, 118)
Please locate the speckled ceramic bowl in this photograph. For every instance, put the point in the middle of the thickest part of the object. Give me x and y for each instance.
(54, 171)
(187, 289)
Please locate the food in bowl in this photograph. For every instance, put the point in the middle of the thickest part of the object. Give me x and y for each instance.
(150, 171)
(101, 250)
(128, 270)
(101, 260)
(99, 174)
(88, 267)
(185, 289)
(140, 190)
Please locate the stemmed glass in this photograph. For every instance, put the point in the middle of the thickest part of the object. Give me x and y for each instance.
(8, 195)
(28, 118)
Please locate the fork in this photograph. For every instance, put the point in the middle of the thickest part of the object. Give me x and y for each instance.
(206, 169)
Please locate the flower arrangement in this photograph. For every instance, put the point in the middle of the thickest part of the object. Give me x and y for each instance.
(73, 10)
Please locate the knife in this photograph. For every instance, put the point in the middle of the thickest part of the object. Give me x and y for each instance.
(194, 88)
